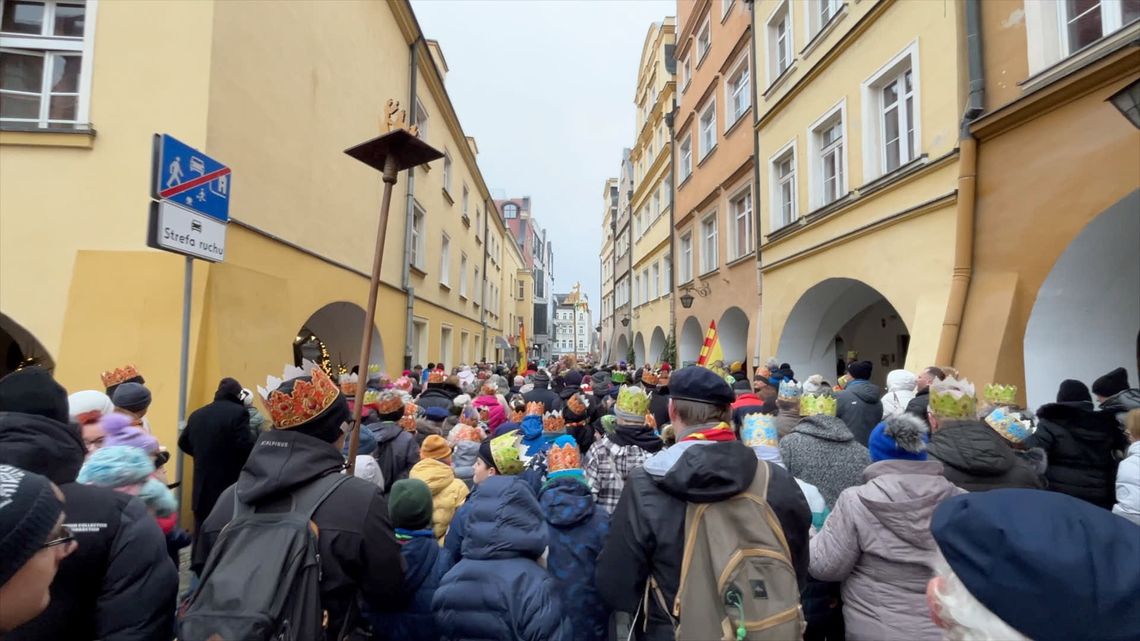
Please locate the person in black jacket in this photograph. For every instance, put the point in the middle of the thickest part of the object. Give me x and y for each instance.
(1081, 445)
(708, 464)
(542, 392)
(119, 584)
(218, 438)
(918, 405)
(358, 550)
(440, 392)
(859, 404)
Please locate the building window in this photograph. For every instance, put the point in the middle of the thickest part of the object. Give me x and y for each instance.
(1086, 21)
(463, 274)
(667, 284)
(522, 290)
(891, 128)
(738, 92)
(897, 113)
(656, 204)
(421, 120)
(446, 172)
(477, 287)
(820, 13)
(445, 345)
(644, 286)
(725, 7)
(704, 40)
(709, 258)
(686, 73)
(784, 194)
(465, 199)
(655, 281)
(740, 208)
(636, 290)
(418, 253)
(445, 261)
(478, 223)
(510, 210)
(45, 64)
(780, 44)
(686, 266)
(686, 157)
(708, 128)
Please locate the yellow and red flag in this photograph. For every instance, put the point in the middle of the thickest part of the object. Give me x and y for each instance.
(522, 347)
(710, 351)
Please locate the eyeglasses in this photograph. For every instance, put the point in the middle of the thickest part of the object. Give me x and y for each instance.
(65, 536)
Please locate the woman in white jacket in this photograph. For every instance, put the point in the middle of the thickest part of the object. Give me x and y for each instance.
(900, 390)
(1128, 473)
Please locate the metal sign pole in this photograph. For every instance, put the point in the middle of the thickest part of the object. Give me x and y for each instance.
(183, 368)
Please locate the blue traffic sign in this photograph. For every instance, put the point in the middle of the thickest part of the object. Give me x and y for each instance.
(191, 179)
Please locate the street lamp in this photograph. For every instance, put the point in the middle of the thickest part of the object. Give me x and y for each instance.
(1127, 102)
(625, 321)
(687, 297)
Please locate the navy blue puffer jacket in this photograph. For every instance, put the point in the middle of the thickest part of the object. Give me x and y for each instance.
(578, 530)
(498, 592)
(413, 621)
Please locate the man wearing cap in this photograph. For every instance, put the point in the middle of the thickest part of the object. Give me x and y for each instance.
(1114, 395)
(707, 465)
(859, 405)
(542, 392)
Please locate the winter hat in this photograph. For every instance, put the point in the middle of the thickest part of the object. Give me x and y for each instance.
(600, 382)
(116, 467)
(742, 386)
(496, 416)
(88, 406)
(1012, 426)
(564, 460)
(409, 505)
(119, 431)
(32, 390)
(1071, 565)
(526, 389)
(759, 430)
(901, 437)
(366, 446)
(541, 378)
(632, 405)
(1073, 391)
(436, 414)
(860, 370)
(815, 384)
(29, 509)
(900, 380)
(1111, 383)
(700, 384)
(573, 378)
(460, 401)
(435, 447)
(227, 388)
(519, 381)
(133, 397)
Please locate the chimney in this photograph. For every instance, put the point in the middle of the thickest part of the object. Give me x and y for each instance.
(437, 58)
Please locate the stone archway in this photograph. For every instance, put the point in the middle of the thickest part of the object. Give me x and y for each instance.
(20, 348)
(689, 345)
(1087, 311)
(639, 349)
(856, 314)
(656, 346)
(622, 349)
(337, 327)
(732, 331)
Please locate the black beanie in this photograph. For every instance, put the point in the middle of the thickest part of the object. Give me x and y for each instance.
(860, 370)
(573, 378)
(29, 509)
(228, 388)
(32, 390)
(485, 454)
(1073, 391)
(409, 504)
(1111, 383)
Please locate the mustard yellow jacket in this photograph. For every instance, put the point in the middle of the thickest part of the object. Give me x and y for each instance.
(447, 492)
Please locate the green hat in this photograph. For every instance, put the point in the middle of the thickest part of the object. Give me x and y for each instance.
(409, 505)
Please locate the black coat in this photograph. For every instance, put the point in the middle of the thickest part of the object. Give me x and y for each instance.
(860, 407)
(218, 437)
(647, 529)
(659, 406)
(119, 583)
(1080, 445)
(975, 458)
(436, 396)
(545, 396)
(359, 553)
(918, 405)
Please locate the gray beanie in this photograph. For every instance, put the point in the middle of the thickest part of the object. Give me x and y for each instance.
(133, 397)
(28, 512)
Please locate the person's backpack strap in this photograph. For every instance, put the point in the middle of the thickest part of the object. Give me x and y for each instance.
(759, 490)
(305, 499)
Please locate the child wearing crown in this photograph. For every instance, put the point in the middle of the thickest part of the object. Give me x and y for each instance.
(614, 455)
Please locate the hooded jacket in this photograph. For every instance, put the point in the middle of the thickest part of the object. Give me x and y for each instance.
(396, 451)
(877, 541)
(1081, 446)
(412, 618)
(1120, 404)
(860, 408)
(219, 439)
(447, 492)
(578, 529)
(823, 452)
(498, 591)
(119, 584)
(975, 457)
(1128, 485)
(359, 554)
(613, 457)
(900, 391)
(437, 395)
(463, 455)
(544, 395)
(787, 417)
(647, 531)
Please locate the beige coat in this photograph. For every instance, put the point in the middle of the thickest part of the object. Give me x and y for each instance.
(447, 492)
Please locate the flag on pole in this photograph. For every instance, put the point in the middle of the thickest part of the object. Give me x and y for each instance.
(710, 351)
(522, 347)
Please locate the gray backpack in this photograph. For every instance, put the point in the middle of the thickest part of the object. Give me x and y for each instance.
(262, 578)
(737, 579)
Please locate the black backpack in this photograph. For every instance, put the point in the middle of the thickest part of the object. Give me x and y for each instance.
(262, 578)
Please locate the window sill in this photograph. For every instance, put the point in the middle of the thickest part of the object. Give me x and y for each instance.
(779, 81)
(417, 270)
(1082, 58)
(740, 259)
(736, 123)
(684, 181)
(445, 286)
(701, 57)
(786, 229)
(462, 296)
(895, 174)
(707, 155)
(823, 210)
(704, 275)
(447, 196)
(14, 135)
(466, 221)
(824, 31)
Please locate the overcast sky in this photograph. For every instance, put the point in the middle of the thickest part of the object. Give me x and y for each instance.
(546, 88)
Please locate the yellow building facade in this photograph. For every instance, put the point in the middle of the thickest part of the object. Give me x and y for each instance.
(277, 92)
(606, 268)
(858, 113)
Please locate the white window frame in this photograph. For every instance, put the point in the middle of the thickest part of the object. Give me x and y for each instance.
(465, 198)
(463, 275)
(445, 336)
(636, 290)
(685, 249)
(686, 164)
(1047, 34)
(817, 197)
(874, 148)
(782, 12)
(744, 193)
(421, 120)
(726, 8)
(49, 46)
(706, 129)
(445, 260)
(704, 32)
(732, 89)
(419, 251)
(655, 284)
(686, 72)
(667, 268)
(814, 19)
(776, 186)
(447, 172)
(710, 244)
(477, 286)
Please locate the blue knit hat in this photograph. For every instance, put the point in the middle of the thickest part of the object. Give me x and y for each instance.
(901, 437)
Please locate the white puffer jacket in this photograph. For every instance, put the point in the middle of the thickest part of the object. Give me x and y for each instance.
(900, 391)
(1128, 485)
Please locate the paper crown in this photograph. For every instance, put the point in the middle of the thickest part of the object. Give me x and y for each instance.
(489, 389)
(1010, 425)
(505, 451)
(404, 384)
(373, 369)
(408, 420)
(470, 416)
(435, 377)
(650, 378)
(535, 408)
(389, 402)
(817, 404)
(578, 404)
(517, 416)
(1000, 394)
(464, 432)
(609, 423)
(307, 400)
(759, 430)
(563, 458)
(553, 422)
(348, 384)
(789, 391)
(119, 376)
(953, 399)
(617, 377)
(841, 384)
(632, 400)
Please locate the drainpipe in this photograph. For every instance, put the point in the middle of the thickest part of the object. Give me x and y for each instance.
(755, 187)
(488, 207)
(670, 122)
(967, 190)
(409, 218)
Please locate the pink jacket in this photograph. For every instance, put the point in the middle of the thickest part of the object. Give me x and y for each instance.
(877, 541)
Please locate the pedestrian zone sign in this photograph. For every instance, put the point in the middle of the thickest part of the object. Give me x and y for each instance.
(191, 179)
(185, 232)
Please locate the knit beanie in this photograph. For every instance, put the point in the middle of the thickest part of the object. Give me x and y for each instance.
(119, 431)
(486, 456)
(28, 512)
(1073, 391)
(901, 437)
(116, 467)
(409, 505)
(32, 390)
(564, 460)
(88, 406)
(573, 378)
(435, 447)
(1111, 383)
(860, 370)
(133, 397)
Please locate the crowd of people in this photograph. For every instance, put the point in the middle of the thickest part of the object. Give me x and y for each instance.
(574, 502)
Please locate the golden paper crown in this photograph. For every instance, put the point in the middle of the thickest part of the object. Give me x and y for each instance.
(348, 384)
(373, 369)
(389, 402)
(119, 376)
(577, 404)
(436, 377)
(632, 400)
(408, 420)
(517, 416)
(817, 404)
(650, 378)
(563, 458)
(953, 399)
(1000, 394)
(553, 422)
(535, 408)
(307, 400)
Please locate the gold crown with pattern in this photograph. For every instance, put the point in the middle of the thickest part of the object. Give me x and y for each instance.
(535, 408)
(953, 399)
(349, 384)
(650, 378)
(436, 377)
(553, 422)
(817, 404)
(408, 420)
(307, 400)
(119, 375)
(1000, 394)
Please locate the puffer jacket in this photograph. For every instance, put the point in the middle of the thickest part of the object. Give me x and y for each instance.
(412, 618)
(860, 408)
(578, 529)
(877, 541)
(1082, 447)
(900, 391)
(613, 457)
(1120, 404)
(498, 591)
(975, 458)
(1128, 485)
(436, 395)
(396, 451)
(823, 452)
(447, 492)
